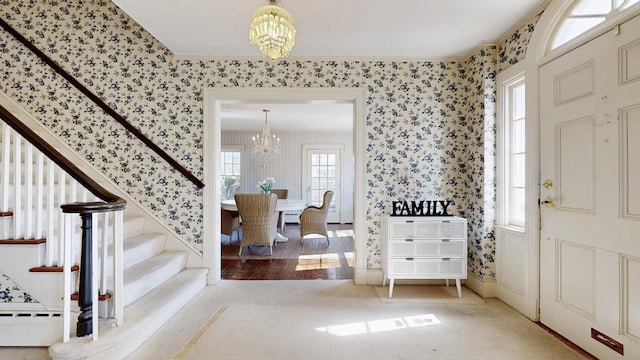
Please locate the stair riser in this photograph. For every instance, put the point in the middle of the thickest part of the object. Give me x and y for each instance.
(45, 288)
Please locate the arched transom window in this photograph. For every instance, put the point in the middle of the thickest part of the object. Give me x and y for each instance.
(586, 14)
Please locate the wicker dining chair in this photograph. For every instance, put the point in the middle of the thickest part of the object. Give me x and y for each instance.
(259, 219)
(229, 222)
(313, 219)
(282, 194)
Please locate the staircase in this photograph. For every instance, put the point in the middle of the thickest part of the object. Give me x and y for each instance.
(157, 282)
(156, 286)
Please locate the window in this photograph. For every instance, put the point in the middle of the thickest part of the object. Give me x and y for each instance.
(584, 15)
(230, 171)
(511, 150)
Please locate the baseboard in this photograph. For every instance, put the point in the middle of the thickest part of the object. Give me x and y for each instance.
(30, 330)
(483, 287)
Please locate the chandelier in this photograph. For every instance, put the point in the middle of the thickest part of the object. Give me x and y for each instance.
(266, 145)
(272, 30)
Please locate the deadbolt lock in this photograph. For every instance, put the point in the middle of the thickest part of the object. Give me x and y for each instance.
(548, 184)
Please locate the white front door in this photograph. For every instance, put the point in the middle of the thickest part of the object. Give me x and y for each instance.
(590, 194)
(321, 172)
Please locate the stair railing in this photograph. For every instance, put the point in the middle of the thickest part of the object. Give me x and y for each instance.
(40, 187)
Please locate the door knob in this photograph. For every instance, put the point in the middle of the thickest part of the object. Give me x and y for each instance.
(548, 202)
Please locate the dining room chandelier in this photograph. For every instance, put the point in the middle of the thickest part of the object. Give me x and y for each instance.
(272, 30)
(267, 144)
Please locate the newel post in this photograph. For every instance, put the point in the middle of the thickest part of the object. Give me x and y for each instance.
(84, 326)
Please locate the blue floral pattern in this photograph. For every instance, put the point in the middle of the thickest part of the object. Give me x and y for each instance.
(430, 125)
(12, 292)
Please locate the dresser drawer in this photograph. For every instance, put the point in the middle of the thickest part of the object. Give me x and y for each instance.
(422, 247)
(427, 268)
(445, 229)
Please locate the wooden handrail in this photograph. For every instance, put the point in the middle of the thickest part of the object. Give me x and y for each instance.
(106, 108)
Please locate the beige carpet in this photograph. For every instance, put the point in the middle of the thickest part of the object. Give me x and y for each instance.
(334, 319)
(428, 294)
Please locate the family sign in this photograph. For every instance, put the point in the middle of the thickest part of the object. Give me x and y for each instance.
(421, 208)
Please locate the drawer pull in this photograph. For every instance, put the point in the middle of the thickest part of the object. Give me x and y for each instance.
(409, 259)
(446, 240)
(409, 221)
(446, 259)
(446, 221)
(409, 240)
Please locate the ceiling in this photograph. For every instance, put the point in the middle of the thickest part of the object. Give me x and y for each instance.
(288, 117)
(366, 29)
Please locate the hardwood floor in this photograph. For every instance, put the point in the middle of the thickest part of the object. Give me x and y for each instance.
(291, 260)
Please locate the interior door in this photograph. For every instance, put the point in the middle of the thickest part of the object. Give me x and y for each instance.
(590, 194)
(321, 172)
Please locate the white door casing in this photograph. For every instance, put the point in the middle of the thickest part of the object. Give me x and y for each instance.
(589, 106)
(513, 244)
(214, 98)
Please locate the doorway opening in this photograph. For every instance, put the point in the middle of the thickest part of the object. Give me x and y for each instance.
(215, 99)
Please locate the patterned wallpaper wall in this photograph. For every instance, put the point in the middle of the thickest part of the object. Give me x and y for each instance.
(433, 120)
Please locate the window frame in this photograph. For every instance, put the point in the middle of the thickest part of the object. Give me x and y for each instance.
(506, 81)
(560, 46)
(234, 148)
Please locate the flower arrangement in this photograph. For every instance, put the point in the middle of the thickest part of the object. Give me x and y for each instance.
(266, 184)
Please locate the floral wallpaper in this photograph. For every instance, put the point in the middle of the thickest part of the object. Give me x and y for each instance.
(12, 292)
(513, 48)
(430, 124)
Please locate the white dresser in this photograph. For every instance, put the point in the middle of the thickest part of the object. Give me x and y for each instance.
(424, 247)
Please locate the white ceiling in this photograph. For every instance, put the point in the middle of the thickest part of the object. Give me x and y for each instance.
(287, 117)
(333, 28)
(368, 29)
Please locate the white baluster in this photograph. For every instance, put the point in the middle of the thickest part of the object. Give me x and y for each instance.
(50, 214)
(6, 160)
(17, 186)
(62, 197)
(39, 196)
(28, 192)
(68, 262)
(117, 267)
(74, 219)
(95, 280)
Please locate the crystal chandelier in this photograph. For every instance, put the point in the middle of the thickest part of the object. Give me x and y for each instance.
(266, 145)
(272, 30)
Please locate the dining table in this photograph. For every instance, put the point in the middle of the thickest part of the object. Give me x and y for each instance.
(281, 205)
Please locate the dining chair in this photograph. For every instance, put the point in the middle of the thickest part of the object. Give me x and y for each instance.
(313, 219)
(259, 219)
(282, 194)
(229, 222)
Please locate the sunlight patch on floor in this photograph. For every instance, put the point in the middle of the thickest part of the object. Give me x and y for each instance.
(318, 261)
(341, 233)
(376, 326)
(351, 258)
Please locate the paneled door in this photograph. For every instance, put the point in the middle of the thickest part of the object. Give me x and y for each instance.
(321, 172)
(590, 194)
